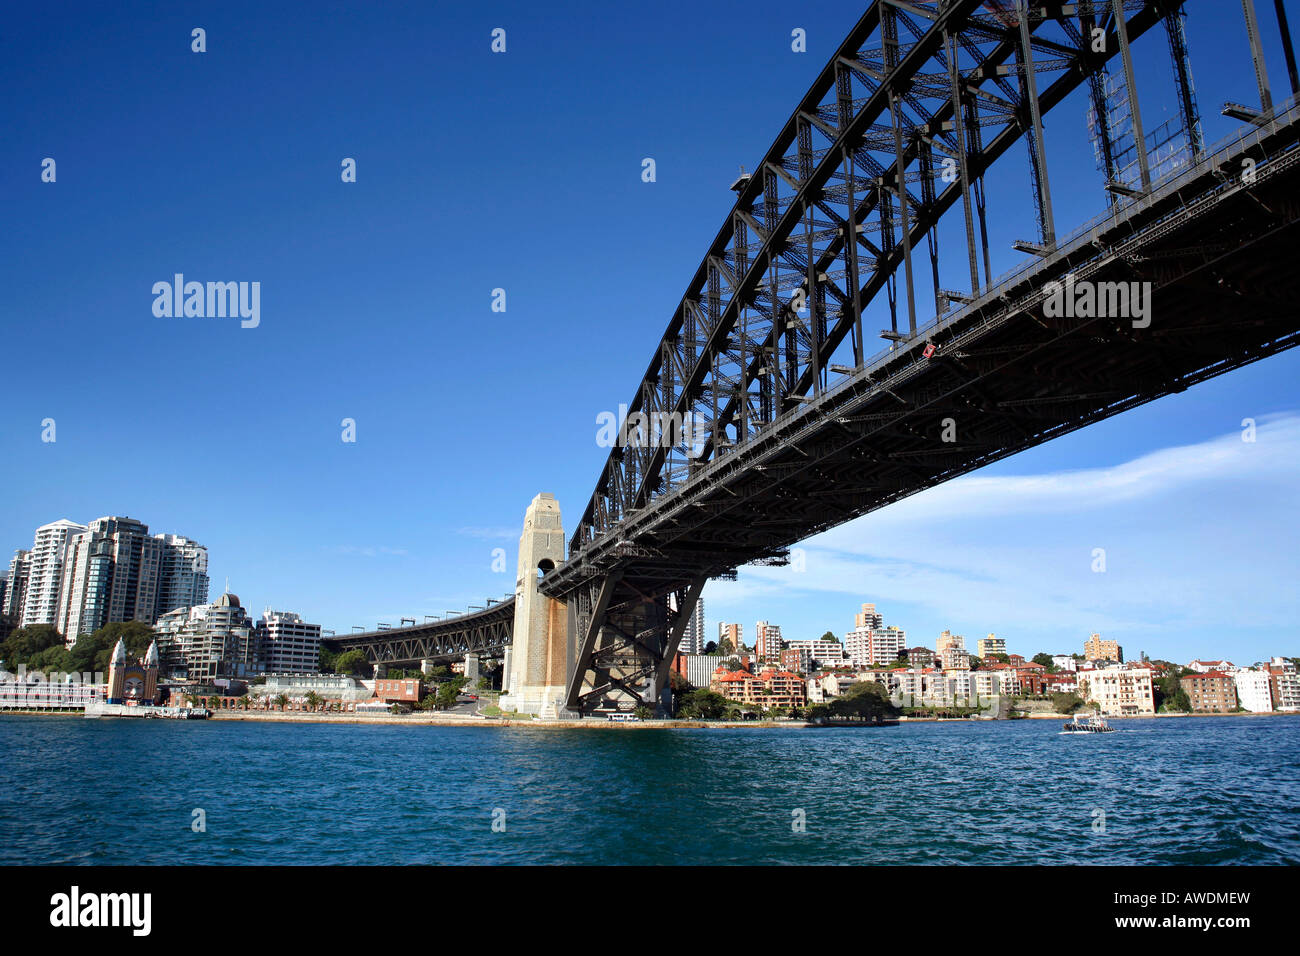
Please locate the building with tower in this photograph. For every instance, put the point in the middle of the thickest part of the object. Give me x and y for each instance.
(132, 682)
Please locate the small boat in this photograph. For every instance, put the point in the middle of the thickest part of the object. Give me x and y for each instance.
(1096, 724)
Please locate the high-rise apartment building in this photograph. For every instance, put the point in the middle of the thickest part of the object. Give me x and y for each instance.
(872, 646)
(1119, 691)
(767, 641)
(289, 645)
(111, 575)
(946, 640)
(15, 589)
(731, 632)
(209, 641)
(693, 636)
(45, 571)
(1095, 649)
(183, 577)
(990, 645)
(868, 617)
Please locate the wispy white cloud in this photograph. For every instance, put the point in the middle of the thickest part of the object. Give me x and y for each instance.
(490, 534)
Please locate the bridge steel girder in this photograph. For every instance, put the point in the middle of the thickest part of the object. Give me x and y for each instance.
(488, 633)
(827, 222)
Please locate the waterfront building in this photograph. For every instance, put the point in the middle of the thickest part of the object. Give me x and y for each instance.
(1065, 662)
(15, 589)
(45, 572)
(946, 640)
(1095, 649)
(288, 644)
(1213, 692)
(990, 645)
(767, 641)
(330, 686)
(1204, 667)
(771, 688)
(393, 691)
(183, 574)
(210, 641)
(693, 637)
(868, 617)
(1254, 690)
(111, 575)
(1119, 691)
(821, 653)
(1285, 688)
(735, 633)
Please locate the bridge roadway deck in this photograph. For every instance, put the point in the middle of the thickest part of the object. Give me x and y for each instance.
(487, 632)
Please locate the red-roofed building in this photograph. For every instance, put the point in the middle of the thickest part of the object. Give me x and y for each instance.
(1212, 692)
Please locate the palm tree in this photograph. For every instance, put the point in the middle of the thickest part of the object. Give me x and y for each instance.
(194, 700)
(214, 702)
(282, 700)
(313, 700)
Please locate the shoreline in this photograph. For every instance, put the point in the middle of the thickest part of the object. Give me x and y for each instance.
(474, 720)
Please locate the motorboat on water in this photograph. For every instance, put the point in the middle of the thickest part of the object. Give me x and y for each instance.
(1095, 724)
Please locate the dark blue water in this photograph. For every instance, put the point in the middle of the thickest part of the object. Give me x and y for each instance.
(1195, 791)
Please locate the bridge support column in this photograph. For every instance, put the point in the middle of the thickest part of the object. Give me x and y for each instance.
(472, 672)
(536, 662)
(426, 666)
(381, 670)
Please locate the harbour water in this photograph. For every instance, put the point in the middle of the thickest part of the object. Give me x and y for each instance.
(1189, 791)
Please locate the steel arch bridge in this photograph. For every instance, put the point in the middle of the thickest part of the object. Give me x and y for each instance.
(800, 425)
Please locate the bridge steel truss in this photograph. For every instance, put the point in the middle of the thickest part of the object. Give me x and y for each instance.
(487, 633)
(898, 130)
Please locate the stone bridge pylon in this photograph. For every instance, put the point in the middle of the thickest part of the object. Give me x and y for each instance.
(536, 665)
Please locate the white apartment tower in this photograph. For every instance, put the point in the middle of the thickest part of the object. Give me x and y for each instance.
(111, 574)
(289, 645)
(767, 641)
(693, 637)
(45, 571)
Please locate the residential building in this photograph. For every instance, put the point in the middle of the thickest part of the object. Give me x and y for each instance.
(921, 657)
(767, 641)
(45, 572)
(111, 575)
(1119, 691)
(1213, 692)
(955, 658)
(822, 653)
(15, 590)
(693, 637)
(1095, 649)
(210, 641)
(948, 639)
(869, 646)
(770, 688)
(183, 575)
(1285, 688)
(1204, 667)
(1254, 690)
(990, 645)
(868, 617)
(1065, 662)
(288, 644)
(735, 633)
(797, 659)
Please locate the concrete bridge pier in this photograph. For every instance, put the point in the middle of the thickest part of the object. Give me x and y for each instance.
(472, 670)
(536, 662)
(426, 666)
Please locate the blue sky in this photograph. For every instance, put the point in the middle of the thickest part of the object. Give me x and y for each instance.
(521, 171)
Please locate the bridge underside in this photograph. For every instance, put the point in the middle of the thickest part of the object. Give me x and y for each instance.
(1004, 376)
(486, 633)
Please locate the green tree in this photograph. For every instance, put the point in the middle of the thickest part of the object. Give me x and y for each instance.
(326, 658)
(281, 701)
(354, 663)
(643, 711)
(725, 647)
(679, 684)
(447, 694)
(313, 700)
(1046, 660)
(711, 648)
(24, 643)
(829, 636)
(702, 704)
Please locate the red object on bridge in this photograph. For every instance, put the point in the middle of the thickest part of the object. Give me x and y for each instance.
(928, 350)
